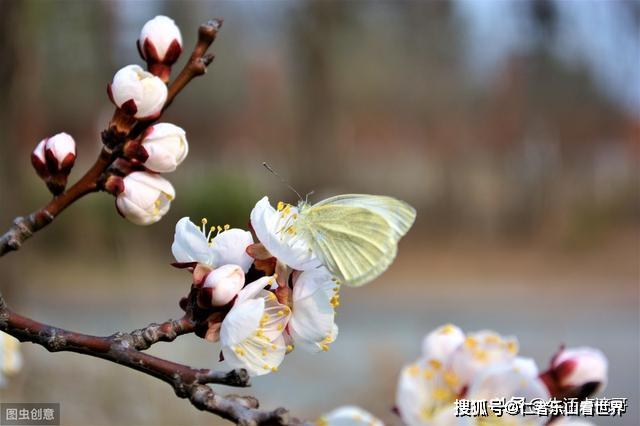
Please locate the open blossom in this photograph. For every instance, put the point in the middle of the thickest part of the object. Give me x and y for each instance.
(348, 415)
(160, 40)
(251, 334)
(517, 378)
(214, 247)
(223, 284)
(165, 147)
(479, 351)
(145, 198)
(271, 227)
(10, 357)
(314, 299)
(138, 92)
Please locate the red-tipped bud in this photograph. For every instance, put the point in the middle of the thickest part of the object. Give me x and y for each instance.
(160, 44)
(165, 146)
(223, 284)
(145, 199)
(53, 159)
(138, 93)
(576, 372)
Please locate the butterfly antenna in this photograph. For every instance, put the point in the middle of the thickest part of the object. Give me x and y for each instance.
(283, 180)
(306, 197)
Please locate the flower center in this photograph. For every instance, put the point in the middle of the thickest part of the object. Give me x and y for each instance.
(217, 229)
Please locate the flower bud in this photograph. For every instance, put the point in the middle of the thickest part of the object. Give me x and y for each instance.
(146, 197)
(166, 147)
(160, 44)
(223, 284)
(579, 371)
(60, 152)
(138, 93)
(53, 159)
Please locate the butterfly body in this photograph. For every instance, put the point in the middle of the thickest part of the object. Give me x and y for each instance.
(355, 235)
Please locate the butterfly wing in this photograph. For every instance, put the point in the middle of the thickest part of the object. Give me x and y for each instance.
(355, 243)
(398, 214)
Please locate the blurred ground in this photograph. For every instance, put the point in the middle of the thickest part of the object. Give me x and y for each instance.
(545, 296)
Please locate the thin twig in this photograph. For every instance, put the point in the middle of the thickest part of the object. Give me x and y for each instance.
(126, 349)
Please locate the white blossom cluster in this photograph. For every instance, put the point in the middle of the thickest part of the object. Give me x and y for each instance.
(480, 366)
(291, 305)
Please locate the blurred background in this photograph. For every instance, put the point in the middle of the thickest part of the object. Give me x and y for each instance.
(513, 128)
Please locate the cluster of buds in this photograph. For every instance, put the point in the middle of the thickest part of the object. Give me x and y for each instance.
(53, 159)
(143, 196)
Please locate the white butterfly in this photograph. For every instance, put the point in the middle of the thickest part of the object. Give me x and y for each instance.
(355, 236)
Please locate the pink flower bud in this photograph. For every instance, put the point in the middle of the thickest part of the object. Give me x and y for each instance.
(60, 152)
(146, 197)
(166, 147)
(53, 159)
(224, 283)
(160, 44)
(580, 366)
(138, 93)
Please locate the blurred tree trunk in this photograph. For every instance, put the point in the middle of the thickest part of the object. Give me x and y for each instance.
(317, 152)
(10, 12)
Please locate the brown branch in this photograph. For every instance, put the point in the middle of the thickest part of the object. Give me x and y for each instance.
(25, 226)
(126, 349)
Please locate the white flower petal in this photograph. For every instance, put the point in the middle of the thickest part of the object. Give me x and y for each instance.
(190, 244)
(290, 248)
(10, 357)
(256, 355)
(231, 247)
(507, 380)
(442, 342)
(252, 290)
(479, 351)
(349, 416)
(312, 325)
(425, 394)
(241, 321)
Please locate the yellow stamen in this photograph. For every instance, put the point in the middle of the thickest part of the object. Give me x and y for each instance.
(435, 364)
